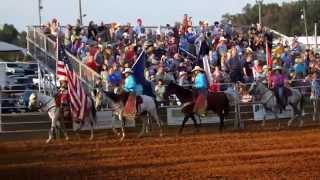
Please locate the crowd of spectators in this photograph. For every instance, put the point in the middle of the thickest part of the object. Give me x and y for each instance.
(234, 53)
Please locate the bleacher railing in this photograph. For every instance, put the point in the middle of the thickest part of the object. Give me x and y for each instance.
(43, 49)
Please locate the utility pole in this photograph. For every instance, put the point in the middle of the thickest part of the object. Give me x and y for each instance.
(259, 2)
(305, 21)
(40, 7)
(316, 35)
(80, 12)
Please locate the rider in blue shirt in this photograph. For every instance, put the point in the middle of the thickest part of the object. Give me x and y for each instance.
(130, 86)
(201, 87)
(129, 83)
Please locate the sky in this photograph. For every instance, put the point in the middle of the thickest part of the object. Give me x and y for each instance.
(25, 12)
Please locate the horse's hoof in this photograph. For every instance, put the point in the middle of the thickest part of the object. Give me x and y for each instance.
(301, 124)
(121, 139)
(161, 135)
(48, 140)
(91, 138)
(289, 123)
(67, 138)
(140, 136)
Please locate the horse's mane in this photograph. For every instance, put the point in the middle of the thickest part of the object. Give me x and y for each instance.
(180, 88)
(182, 93)
(114, 97)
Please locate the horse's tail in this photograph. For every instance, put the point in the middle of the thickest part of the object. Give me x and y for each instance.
(93, 110)
(302, 103)
(226, 107)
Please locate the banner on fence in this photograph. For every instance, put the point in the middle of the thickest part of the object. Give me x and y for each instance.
(105, 121)
(175, 117)
(259, 111)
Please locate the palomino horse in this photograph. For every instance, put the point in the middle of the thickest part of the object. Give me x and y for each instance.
(117, 101)
(217, 102)
(44, 103)
(269, 101)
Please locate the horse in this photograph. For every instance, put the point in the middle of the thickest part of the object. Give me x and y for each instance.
(269, 101)
(44, 103)
(117, 101)
(217, 102)
(315, 99)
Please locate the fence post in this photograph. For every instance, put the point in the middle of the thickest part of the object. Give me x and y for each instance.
(28, 38)
(0, 109)
(236, 120)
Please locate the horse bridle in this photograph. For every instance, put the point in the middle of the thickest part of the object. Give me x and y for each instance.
(44, 104)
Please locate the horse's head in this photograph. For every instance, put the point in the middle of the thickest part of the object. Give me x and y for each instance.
(256, 88)
(33, 102)
(169, 90)
(98, 99)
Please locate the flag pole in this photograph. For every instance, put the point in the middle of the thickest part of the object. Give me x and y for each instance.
(137, 59)
(57, 55)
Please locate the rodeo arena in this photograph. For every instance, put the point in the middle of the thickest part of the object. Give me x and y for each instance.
(186, 101)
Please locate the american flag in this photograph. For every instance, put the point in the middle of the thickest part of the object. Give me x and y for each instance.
(268, 56)
(78, 97)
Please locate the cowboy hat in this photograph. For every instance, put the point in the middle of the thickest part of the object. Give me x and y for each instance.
(265, 67)
(277, 68)
(298, 60)
(222, 38)
(197, 68)
(62, 78)
(127, 70)
(249, 50)
(182, 73)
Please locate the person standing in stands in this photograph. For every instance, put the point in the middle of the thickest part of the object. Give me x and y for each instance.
(234, 66)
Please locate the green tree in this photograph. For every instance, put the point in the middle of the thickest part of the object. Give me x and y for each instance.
(9, 34)
(286, 18)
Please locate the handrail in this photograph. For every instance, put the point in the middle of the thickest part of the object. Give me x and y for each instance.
(82, 67)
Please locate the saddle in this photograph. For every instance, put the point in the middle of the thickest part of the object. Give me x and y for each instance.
(139, 101)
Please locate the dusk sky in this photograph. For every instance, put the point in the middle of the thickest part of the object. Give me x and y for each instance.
(25, 12)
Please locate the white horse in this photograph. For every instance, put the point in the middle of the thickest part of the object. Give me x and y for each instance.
(116, 101)
(269, 101)
(315, 102)
(44, 103)
(234, 98)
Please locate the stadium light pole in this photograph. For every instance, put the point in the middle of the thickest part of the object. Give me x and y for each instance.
(40, 7)
(80, 12)
(304, 17)
(259, 2)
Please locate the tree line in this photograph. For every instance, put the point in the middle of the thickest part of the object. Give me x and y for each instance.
(286, 18)
(9, 34)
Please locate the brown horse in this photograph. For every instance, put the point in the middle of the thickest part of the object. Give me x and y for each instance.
(216, 102)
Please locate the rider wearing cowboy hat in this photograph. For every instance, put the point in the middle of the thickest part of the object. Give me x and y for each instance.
(201, 88)
(62, 98)
(130, 87)
(277, 82)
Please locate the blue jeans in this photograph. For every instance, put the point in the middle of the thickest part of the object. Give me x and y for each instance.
(279, 92)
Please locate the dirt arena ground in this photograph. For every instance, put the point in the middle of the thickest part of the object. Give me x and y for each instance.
(254, 153)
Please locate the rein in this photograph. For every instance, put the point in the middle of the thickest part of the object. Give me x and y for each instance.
(45, 104)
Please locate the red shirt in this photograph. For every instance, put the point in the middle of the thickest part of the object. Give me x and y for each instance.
(91, 63)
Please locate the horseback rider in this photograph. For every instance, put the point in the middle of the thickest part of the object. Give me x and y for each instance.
(62, 98)
(201, 88)
(277, 82)
(130, 86)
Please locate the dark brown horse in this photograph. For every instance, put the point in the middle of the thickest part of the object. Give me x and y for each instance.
(216, 102)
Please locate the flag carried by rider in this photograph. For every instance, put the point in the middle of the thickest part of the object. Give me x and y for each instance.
(78, 98)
